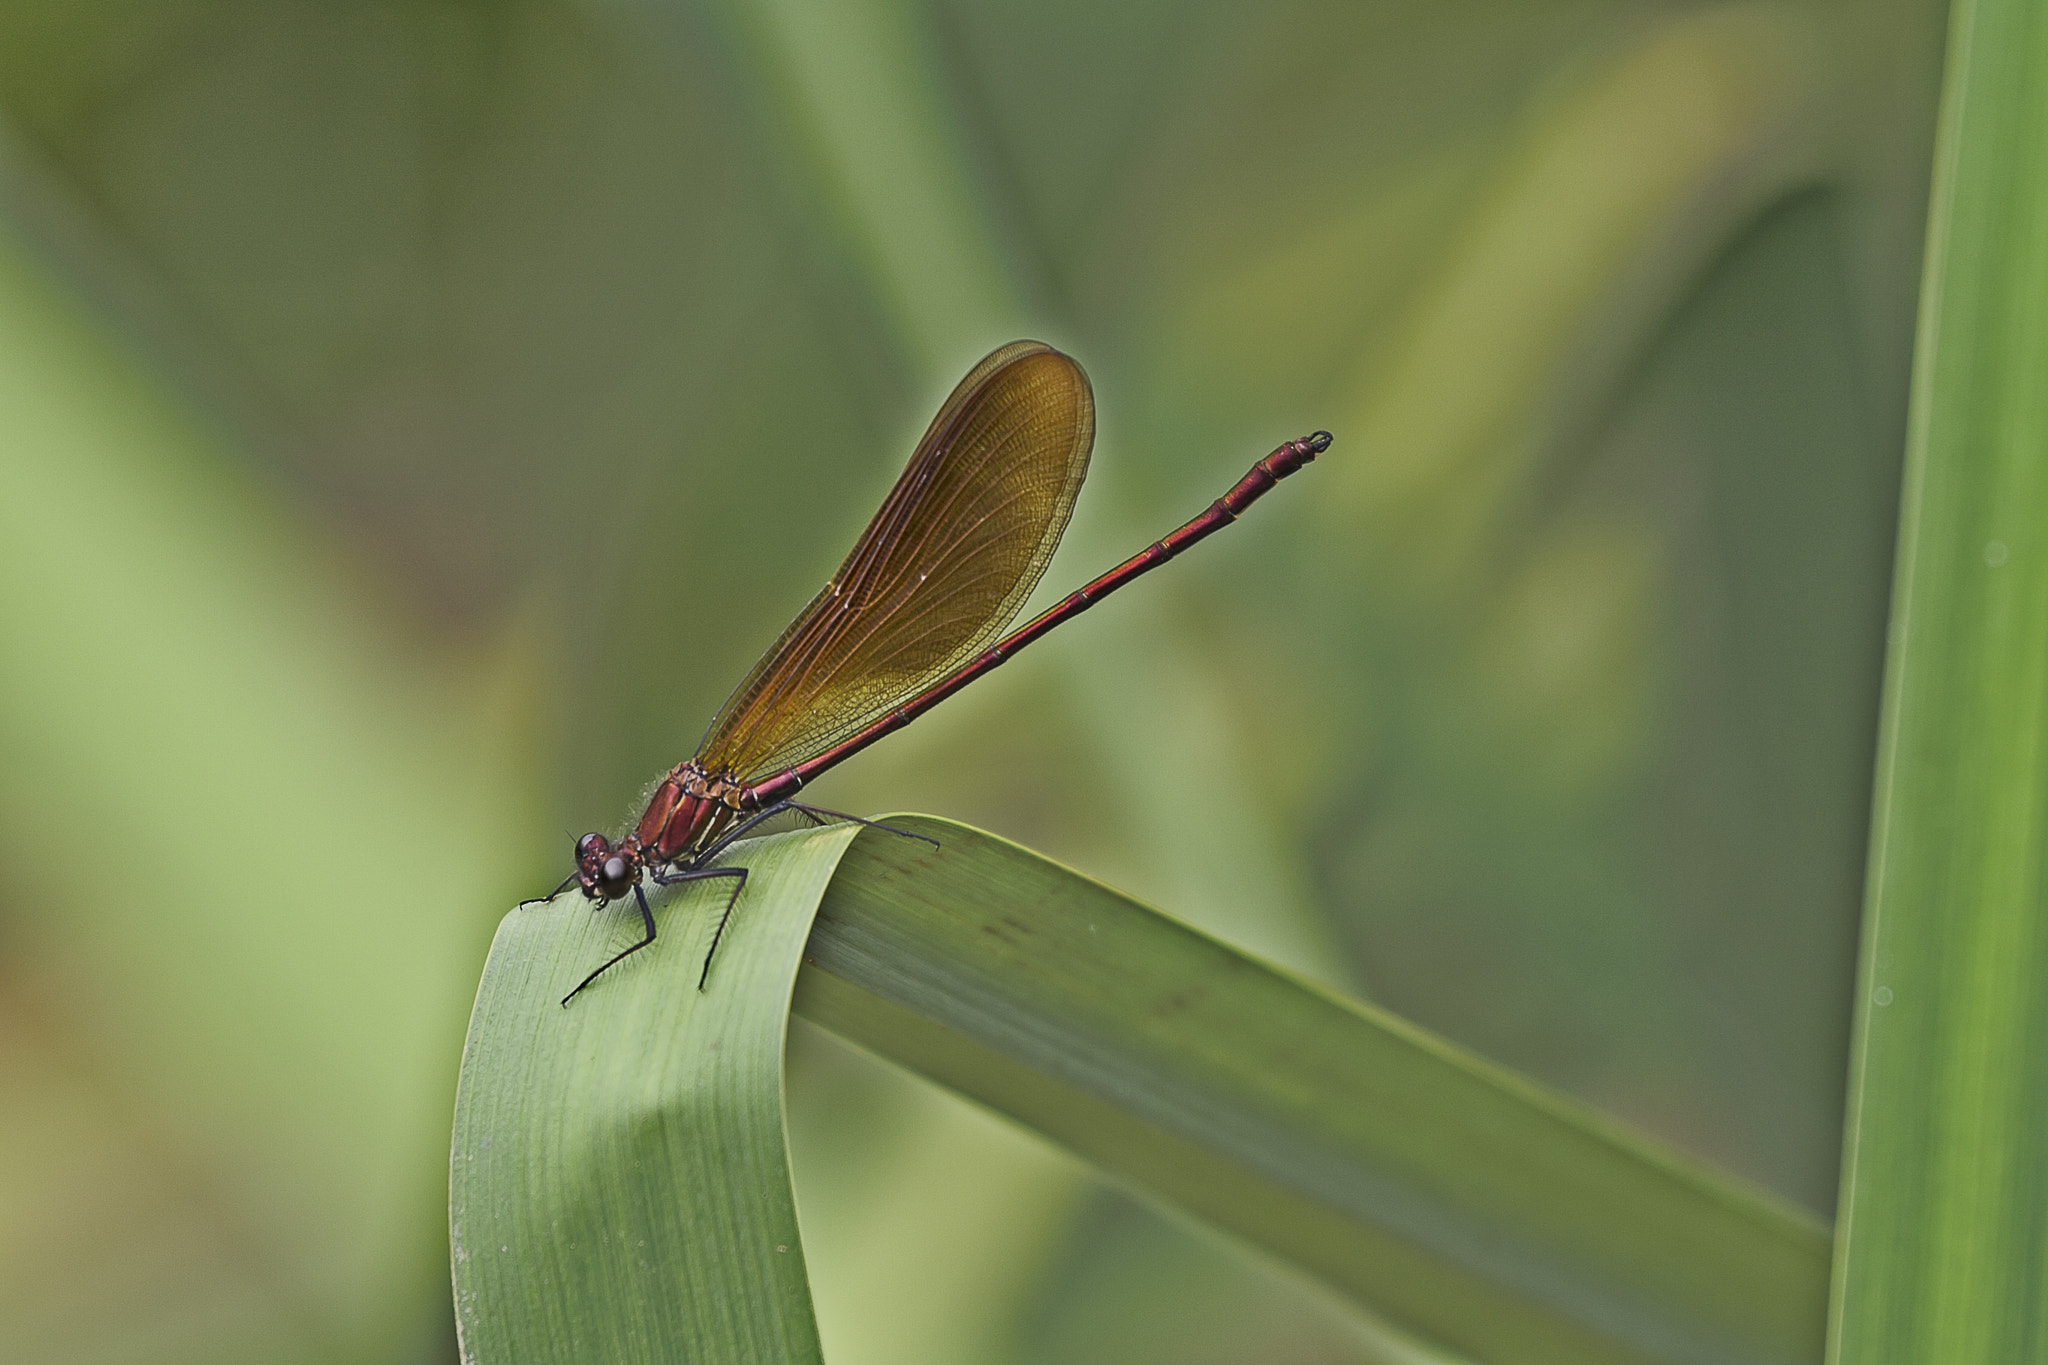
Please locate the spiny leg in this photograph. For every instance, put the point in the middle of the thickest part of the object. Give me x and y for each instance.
(742, 829)
(693, 874)
(567, 882)
(817, 815)
(647, 919)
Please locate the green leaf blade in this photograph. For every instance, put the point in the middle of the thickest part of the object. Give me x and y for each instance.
(619, 1183)
(1455, 1199)
(1943, 1243)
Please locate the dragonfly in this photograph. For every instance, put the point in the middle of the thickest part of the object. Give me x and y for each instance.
(912, 616)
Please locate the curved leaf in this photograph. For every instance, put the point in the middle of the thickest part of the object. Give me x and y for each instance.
(619, 1186)
(1454, 1198)
(621, 1191)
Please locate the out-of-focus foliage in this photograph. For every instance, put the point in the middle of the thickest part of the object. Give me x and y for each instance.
(419, 414)
(253, 833)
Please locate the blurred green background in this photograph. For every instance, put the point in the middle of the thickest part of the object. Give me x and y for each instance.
(414, 417)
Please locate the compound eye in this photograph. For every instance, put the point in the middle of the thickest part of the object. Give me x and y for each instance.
(593, 846)
(615, 878)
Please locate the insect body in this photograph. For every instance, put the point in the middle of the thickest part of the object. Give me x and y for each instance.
(910, 618)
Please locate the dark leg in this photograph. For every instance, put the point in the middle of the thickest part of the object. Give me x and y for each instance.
(567, 882)
(814, 814)
(696, 869)
(646, 919)
(719, 932)
(817, 815)
(699, 873)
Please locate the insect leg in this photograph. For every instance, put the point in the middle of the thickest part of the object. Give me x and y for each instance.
(646, 920)
(698, 872)
(567, 882)
(818, 815)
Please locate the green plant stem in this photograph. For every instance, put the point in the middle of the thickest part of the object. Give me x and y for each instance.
(1943, 1239)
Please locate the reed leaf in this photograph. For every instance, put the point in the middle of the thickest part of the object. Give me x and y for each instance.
(620, 1186)
(1943, 1240)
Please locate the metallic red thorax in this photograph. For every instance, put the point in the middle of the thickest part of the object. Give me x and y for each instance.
(688, 811)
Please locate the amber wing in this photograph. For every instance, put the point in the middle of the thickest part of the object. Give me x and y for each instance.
(944, 566)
